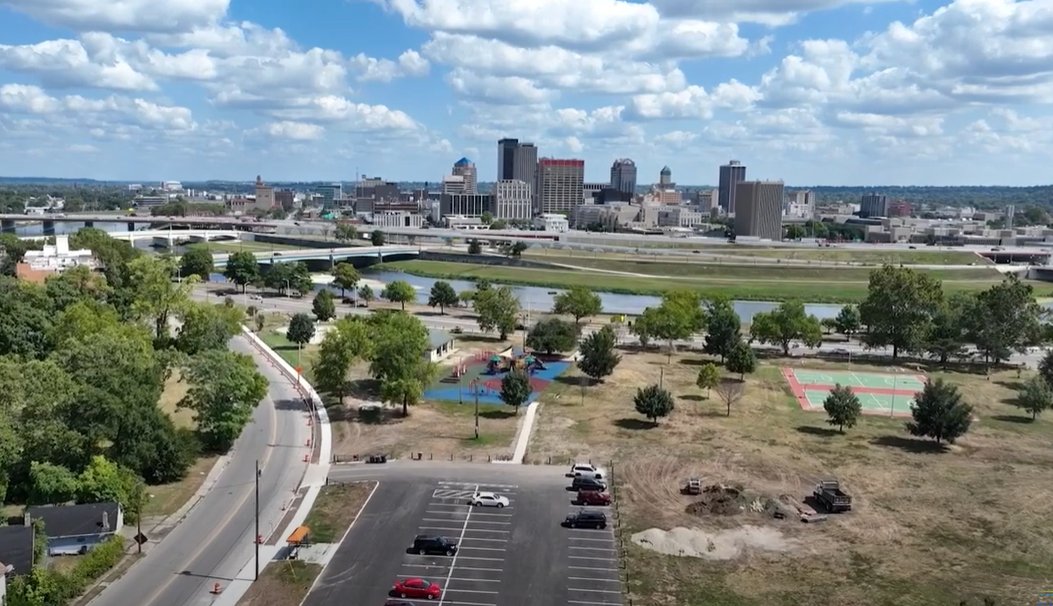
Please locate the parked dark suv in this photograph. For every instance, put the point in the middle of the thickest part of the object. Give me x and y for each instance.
(581, 483)
(428, 545)
(586, 518)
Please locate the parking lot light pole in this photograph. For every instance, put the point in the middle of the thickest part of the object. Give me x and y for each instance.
(475, 388)
(257, 538)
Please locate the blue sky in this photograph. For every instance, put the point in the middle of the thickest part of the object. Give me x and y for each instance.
(809, 91)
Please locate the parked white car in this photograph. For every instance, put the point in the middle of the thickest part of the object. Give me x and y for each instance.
(488, 499)
(586, 470)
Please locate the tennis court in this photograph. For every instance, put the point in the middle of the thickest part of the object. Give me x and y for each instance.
(890, 394)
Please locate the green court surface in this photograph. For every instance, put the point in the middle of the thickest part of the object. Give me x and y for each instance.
(875, 403)
(898, 382)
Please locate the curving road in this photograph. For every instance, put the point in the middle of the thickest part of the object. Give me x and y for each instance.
(216, 539)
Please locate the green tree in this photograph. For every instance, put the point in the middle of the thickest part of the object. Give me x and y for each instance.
(842, 407)
(1035, 396)
(76, 284)
(723, 327)
(399, 362)
(678, 317)
(377, 237)
(399, 291)
(207, 326)
(486, 218)
(156, 295)
(25, 319)
(197, 261)
(653, 402)
(939, 412)
(795, 232)
(515, 389)
(900, 304)
(51, 484)
(301, 329)
(708, 377)
(103, 480)
(847, 320)
(261, 321)
(474, 247)
(578, 302)
(1045, 368)
(597, 357)
(442, 295)
(242, 268)
(366, 294)
(85, 318)
(786, 324)
(518, 248)
(299, 277)
(741, 360)
(1006, 318)
(552, 335)
(345, 277)
(346, 342)
(945, 336)
(324, 307)
(497, 309)
(224, 389)
(346, 232)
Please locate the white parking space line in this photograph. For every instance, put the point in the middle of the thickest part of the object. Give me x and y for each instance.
(594, 548)
(501, 522)
(480, 558)
(475, 580)
(487, 540)
(465, 548)
(492, 515)
(596, 558)
(587, 602)
(592, 568)
(452, 590)
(595, 579)
(451, 602)
(489, 530)
(597, 539)
(479, 486)
(438, 528)
(595, 590)
(453, 562)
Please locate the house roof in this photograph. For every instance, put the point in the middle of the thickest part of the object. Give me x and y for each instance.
(16, 548)
(438, 338)
(75, 520)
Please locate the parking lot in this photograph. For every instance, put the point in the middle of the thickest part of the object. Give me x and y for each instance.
(517, 555)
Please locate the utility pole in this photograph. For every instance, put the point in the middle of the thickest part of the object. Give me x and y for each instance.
(257, 520)
(475, 388)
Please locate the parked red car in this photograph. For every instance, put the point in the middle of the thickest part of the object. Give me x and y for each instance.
(416, 588)
(593, 497)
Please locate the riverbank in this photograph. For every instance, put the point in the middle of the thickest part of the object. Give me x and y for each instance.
(764, 283)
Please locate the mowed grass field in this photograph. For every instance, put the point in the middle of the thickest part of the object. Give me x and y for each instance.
(877, 256)
(930, 527)
(743, 282)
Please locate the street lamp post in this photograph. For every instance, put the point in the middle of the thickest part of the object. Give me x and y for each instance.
(257, 519)
(475, 388)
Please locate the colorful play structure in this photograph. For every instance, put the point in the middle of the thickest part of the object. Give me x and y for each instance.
(499, 364)
(479, 376)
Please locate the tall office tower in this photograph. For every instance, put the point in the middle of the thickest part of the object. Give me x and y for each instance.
(665, 178)
(466, 168)
(512, 200)
(1010, 212)
(623, 176)
(560, 184)
(454, 184)
(873, 205)
(758, 210)
(264, 195)
(518, 161)
(731, 174)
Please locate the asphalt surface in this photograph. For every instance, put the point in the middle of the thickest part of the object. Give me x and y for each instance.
(515, 556)
(216, 538)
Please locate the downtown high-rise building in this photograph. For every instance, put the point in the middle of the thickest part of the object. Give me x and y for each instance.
(512, 200)
(623, 176)
(731, 174)
(758, 211)
(517, 161)
(873, 205)
(560, 185)
(466, 168)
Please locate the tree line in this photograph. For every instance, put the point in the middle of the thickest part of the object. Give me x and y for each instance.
(83, 362)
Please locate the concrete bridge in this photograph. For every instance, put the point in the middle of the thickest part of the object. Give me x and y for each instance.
(168, 238)
(8, 222)
(323, 259)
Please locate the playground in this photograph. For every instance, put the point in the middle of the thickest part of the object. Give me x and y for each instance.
(889, 394)
(481, 373)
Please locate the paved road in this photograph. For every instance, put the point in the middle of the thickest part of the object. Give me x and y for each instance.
(515, 556)
(216, 538)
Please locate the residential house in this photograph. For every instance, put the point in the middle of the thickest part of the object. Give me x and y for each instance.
(73, 529)
(16, 550)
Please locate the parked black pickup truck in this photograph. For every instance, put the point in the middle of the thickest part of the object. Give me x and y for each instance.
(829, 493)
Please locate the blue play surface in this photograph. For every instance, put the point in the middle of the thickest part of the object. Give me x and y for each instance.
(489, 386)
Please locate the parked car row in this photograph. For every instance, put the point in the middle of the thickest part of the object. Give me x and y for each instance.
(590, 489)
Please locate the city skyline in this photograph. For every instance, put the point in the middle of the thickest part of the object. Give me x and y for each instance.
(827, 92)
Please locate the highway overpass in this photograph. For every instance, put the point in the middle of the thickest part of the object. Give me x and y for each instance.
(325, 258)
(8, 222)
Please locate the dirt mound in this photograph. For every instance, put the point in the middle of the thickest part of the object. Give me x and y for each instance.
(714, 545)
(719, 500)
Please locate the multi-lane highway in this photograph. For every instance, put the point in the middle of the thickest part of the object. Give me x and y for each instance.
(216, 539)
